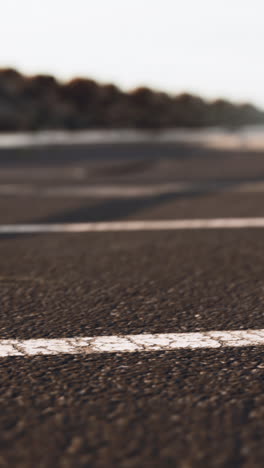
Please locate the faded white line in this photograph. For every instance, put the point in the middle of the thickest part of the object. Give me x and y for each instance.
(128, 190)
(249, 137)
(132, 343)
(121, 226)
(97, 191)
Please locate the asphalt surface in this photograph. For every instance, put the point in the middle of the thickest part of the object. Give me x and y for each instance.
(199, 408)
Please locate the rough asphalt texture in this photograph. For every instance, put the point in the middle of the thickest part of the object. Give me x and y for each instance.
(201, 408)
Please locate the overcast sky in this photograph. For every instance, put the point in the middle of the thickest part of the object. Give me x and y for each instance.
(210, 47)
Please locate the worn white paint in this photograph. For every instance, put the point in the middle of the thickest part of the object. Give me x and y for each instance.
(98, 191)
(121, 226)
(250, 137)
(125, 190)
(132, 343)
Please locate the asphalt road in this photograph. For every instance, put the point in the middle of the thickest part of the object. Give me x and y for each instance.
(184, 408)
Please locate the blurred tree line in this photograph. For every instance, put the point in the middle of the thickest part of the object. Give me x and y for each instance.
(41, 102)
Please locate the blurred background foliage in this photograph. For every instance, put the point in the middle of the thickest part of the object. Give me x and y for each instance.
(41, 102)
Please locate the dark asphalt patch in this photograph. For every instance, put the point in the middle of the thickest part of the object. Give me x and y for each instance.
(182, 409)
(129, 283)
(27, 209)
(136, 162)
(34, 209)
(207, 205)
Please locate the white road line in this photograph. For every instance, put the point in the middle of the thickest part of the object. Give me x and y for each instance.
(121, 226)
(127, 191)
(99, 191)
(132, 343)
(250, 137)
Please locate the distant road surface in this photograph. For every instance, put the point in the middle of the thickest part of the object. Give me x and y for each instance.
(131, 347)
